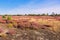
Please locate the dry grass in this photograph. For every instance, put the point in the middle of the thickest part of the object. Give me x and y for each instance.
(55, 25)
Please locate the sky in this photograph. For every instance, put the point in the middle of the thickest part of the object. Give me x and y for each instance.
(29, 6)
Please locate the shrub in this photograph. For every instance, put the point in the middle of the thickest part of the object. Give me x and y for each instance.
(9, 25)
(4, 17)
(9, 18)
(14, 24)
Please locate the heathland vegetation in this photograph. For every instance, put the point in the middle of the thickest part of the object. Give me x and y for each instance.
(13, 25)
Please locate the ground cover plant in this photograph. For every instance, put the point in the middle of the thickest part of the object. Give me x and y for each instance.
(29, 27)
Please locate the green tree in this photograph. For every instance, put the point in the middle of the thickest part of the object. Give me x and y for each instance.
(4, 17)
(43, 14)
(53, 14)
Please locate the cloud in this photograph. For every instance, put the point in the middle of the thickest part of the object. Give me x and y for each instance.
(33, 10)
(35, 7)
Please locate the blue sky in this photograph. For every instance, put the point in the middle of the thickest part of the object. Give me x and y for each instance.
(29, 6)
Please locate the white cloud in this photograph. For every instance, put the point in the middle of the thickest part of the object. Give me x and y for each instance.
(34, 11)
(34, 8)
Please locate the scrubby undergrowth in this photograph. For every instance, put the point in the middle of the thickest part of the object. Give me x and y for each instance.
(29, 34)
(30, 28)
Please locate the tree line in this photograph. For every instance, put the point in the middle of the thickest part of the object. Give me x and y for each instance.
(42, 14)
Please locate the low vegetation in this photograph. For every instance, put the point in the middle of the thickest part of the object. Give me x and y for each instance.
(14, 24)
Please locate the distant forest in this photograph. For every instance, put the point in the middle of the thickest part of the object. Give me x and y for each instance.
(43, 14)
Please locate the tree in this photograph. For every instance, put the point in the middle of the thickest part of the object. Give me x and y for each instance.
(53, 14)
(25, 14)
(43, 14)
(4, 17)
(47, 14)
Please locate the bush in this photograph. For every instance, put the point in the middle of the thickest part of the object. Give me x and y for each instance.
(4, 17)
(9, 18)
(14, 24)
(10, 25)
